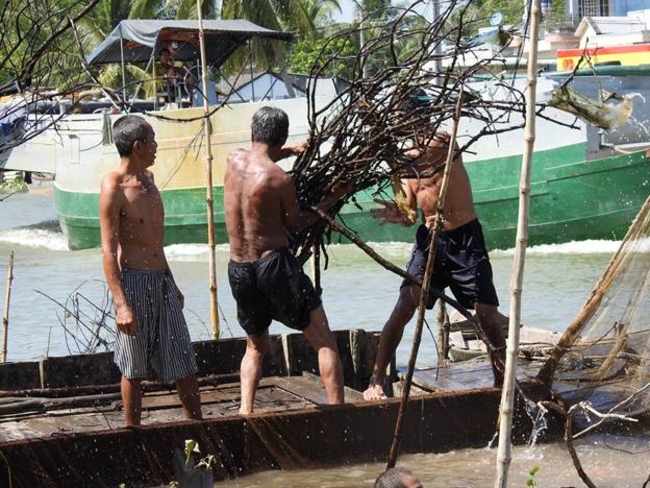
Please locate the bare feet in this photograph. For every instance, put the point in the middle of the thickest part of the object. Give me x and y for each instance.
(374, 392)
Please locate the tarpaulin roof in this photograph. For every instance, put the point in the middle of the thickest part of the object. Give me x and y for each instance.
(135, 41)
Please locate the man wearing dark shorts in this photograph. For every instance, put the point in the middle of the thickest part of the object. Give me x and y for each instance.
(461, 262)
(272, 288)
(267, 281)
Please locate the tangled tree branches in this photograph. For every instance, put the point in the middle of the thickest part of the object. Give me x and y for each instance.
(363, 136)
(90, 330)
(38, 60)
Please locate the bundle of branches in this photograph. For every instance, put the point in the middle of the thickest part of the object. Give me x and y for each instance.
(363, 135)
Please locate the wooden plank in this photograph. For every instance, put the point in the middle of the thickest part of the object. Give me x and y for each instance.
(468, 375)
(304, 388)
(351, 395)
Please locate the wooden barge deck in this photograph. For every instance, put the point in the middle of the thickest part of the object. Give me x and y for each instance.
(61, 422)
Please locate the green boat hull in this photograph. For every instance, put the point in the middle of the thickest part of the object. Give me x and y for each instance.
(570, 200)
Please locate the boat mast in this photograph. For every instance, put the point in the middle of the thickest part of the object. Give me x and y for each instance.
(209, 198)
(517, 276)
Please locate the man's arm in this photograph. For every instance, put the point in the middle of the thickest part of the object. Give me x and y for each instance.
(292, 217)
(293, 149)
(298, 218)
(110, 198)
(403, 210)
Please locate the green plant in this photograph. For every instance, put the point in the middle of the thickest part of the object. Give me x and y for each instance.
(191, 447)
(14, 185)
(532, 481)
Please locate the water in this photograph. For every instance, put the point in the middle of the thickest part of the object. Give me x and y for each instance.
(601, 457)
(357, 293)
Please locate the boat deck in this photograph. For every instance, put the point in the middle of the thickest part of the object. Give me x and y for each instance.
(39, 417)
(65, 427)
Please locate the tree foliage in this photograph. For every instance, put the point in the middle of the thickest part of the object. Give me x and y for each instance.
(307, 54)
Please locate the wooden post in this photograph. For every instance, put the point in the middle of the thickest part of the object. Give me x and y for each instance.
(508, 394)
(209, 199)
(426, 285)
(5, 317)
(443, 332)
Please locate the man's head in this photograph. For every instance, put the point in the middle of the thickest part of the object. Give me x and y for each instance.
(132, 133)
(270, 126)
(164, 55)
(398, 477)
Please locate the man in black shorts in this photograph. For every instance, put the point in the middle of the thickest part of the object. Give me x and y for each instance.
(461, 260)
(267, 281)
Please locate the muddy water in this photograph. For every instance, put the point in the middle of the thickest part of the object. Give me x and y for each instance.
(610, 461)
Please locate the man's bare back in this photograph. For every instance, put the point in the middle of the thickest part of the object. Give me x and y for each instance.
(260, 205)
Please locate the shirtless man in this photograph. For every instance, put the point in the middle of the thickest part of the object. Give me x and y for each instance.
(267, 281)
(152, 334)
(461, 260)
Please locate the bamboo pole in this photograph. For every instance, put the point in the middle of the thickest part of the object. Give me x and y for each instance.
(426, 285)
(209, 198)
(5, 317)
(516, 280)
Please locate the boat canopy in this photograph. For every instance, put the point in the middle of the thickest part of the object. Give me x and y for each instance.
(138, 41)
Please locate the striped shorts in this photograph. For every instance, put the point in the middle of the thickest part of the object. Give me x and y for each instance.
(162, 348)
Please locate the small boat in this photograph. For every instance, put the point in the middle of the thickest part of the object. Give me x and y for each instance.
(463, 343)
(62, 425)
(12, 117)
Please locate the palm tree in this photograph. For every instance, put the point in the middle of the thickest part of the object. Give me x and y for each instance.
(300, 17)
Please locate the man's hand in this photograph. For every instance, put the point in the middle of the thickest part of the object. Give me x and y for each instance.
(125, 320)
(390, 214)
(343, 187)
(294, 149)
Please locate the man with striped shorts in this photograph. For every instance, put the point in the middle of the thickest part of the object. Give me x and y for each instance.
(152, 339)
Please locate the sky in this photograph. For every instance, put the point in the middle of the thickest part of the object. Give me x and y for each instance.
(347, 14)
(348, 10)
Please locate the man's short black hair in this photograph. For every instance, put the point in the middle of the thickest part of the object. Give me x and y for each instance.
(392, 477)
(127, 130)
(270, 125)
(419, 98)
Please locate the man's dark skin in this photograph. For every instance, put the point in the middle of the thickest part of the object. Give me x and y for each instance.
(458, 210)
(261, 212)
(131, 217)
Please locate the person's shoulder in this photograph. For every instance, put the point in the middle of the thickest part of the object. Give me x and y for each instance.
(237, 155)
(111, 180)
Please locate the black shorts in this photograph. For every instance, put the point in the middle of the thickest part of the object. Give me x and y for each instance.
(461, 263)
(272, 288)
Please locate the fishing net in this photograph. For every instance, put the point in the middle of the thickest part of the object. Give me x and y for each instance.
(602, 360)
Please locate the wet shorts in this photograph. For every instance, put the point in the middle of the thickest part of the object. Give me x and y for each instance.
(272, 288)
(461, 263)
(162, 348)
